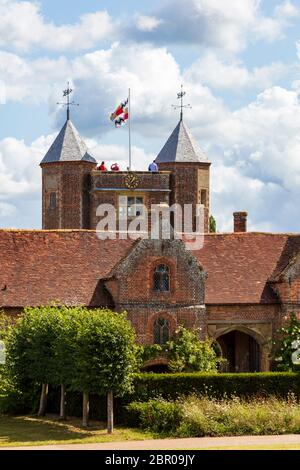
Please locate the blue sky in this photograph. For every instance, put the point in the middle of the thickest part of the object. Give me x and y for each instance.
(239, 66)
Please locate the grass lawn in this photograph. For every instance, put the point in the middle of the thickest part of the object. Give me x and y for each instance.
(30, 430)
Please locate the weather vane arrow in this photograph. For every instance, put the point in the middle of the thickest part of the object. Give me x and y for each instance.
(180, 97)
(66, 94)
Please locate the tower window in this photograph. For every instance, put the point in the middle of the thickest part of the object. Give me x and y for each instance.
(161, 278)
(203, 197)
(161, 331)
(133, 206)
(52, 202)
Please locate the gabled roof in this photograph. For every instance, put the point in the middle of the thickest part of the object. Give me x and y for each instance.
(68, 147)
(181, 147)
(240, 266)
(67, 266)
(288, 259)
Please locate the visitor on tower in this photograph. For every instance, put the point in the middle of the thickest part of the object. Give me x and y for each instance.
(153, 167)
(115, 167)
(102, 167)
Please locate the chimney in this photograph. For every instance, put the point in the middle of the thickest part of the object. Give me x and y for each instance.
(240, 221)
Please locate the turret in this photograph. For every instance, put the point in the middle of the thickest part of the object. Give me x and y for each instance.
(66, 174)
(190, 167)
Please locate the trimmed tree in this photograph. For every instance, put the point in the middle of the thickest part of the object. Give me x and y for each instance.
(64, 349)
(30, 353)
(105, 358)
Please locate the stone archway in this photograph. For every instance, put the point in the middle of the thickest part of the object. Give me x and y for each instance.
(243, 348)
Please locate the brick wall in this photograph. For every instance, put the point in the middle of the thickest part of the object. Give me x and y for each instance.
(108, 187)
(69, 182)
(289, 294)
(132, 287)
(187, 182)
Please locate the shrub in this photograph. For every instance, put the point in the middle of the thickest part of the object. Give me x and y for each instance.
(173, 386)
(284, 348)
(187, 353)
(158, 416)
(198, 417)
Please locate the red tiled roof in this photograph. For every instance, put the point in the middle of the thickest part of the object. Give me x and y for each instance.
(240, 264)
(39, 267)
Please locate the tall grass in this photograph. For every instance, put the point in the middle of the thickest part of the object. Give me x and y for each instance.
(201, 416)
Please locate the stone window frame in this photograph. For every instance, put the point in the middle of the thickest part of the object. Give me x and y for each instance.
(135, 195)
(161, 330)
(52, 197)
(172, 273)
(162, 278)
(171, 319)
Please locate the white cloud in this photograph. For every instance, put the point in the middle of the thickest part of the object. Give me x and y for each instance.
(22, 27)
(213, 25)
(222, 74)
(286, 10)
(147, 23)
(112, 153)
(7, 210)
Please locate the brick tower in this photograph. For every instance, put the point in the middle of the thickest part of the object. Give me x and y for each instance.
(190, 170)
(66, 176)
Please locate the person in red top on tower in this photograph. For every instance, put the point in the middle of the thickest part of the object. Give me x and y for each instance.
(102, 167)
(115, 167)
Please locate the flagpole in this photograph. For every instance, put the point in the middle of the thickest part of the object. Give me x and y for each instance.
(129, 128)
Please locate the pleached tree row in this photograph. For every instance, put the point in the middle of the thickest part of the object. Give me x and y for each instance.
(90, 351)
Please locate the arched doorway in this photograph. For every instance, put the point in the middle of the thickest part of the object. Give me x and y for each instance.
(241, 351)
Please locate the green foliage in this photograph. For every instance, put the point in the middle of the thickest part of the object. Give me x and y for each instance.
(187, 353)
(212, 224)
(6, 322)
(172, 386)
(105, 355)
(198, 417)
(283, 348)
(87, 350)
(30, 353)
(158, 415)
(151, 351)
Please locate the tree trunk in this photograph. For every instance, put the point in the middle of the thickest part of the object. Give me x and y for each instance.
(43, 400)
(110, 412)
(62, 413)
(85, 409)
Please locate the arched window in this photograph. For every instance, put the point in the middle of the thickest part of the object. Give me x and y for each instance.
(161, 280)
(161, 331)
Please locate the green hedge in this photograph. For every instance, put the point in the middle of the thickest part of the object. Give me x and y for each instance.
(172, 386)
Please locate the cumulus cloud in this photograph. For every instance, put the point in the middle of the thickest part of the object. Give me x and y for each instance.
(222, 74)
(210, 24)
(147, 23)
(22, 27)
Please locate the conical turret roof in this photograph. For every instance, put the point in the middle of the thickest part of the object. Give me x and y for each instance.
(68, 147)
(181, 147)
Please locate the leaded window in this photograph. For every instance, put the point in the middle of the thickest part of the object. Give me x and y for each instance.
(161, 331)
(161, 278)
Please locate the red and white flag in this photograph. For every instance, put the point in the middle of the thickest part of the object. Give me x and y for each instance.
(120, 116)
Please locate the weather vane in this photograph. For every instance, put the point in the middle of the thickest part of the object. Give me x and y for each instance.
(181, 106)
(66, 94)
